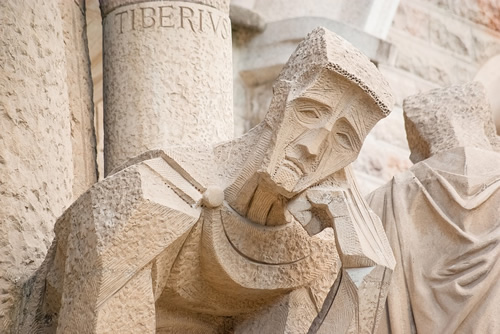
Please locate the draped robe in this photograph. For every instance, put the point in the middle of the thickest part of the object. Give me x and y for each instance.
(442, 218)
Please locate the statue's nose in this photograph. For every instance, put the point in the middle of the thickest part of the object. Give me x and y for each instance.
(312, 142)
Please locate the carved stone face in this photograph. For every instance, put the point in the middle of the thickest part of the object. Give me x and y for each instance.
(322, 131)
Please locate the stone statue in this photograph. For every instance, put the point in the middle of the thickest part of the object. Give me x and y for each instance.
(262, 234)
(442, 218)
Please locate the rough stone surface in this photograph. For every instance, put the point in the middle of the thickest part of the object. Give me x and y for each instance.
(457, 113)
(246, 236)
(80, 96)
(443, 41)
(259, 55)
(450, 32)
(442, 218)
(165, 83)
(45, 133)
(430, 62)
(483, 12)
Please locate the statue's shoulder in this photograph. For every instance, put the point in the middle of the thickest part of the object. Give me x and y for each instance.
(174, 179)
(162, 182)
(194, 164)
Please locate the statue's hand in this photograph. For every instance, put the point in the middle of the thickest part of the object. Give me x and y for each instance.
(300, 208)
(316, 208)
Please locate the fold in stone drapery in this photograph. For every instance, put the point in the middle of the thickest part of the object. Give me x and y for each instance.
(442, 223)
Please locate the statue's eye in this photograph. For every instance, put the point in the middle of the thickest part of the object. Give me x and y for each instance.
(344, 140)
(308, 115)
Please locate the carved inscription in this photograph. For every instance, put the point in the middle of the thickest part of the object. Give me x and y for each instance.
(176, 15)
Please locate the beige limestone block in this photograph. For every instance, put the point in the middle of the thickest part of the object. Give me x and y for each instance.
(435, 27)
(483, 12)
(445, 42)
(36, 166)
(167, 76)
(486, 44)
(453, 33)
(489, 76)
(404, 83)
(430, 62)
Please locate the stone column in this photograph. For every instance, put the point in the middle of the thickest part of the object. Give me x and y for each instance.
(45, 134)
(167, 75)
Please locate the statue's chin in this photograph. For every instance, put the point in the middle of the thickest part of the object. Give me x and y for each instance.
(290, 180)
(285, 179)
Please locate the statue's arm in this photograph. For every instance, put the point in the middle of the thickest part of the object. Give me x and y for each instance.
(111, 236)
(358, 296)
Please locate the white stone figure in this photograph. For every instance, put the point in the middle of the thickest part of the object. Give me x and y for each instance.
(215, 240)
(442, 218)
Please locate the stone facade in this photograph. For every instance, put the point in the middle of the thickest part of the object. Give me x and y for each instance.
(47, 140)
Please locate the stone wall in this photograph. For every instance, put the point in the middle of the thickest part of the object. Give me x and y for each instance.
(446, 42)
(46, 133)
